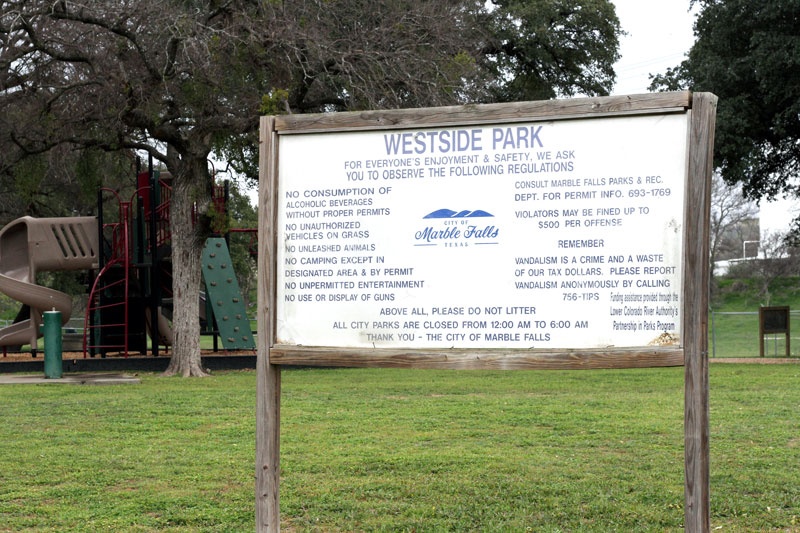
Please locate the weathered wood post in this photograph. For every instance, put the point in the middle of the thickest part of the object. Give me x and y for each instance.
(268, 388)
(695, 323)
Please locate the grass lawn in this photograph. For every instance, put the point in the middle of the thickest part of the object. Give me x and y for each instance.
(737, 335)
(396, 450)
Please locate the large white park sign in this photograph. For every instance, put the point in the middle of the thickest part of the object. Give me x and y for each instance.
(529, 235)
(558, 234)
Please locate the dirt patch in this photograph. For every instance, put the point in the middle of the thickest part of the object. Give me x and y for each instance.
(757, 360)
(26, 356)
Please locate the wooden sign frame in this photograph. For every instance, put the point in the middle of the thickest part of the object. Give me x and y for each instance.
(692, 353)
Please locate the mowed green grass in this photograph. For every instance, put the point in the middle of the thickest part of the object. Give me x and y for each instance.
(737, 335)
(396, 450)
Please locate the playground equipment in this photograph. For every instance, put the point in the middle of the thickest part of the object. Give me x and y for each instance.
(223, 295)
(128, 251)
(28, 246)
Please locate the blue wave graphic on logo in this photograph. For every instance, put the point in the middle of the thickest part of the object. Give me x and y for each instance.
(449, 213)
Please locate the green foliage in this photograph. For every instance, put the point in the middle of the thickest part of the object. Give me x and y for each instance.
(73, 283)
(744, 294)
(63, 182)
(241, 153)
(8, 307)
(463, 60)
(243, 214)
(218, 219)
(28, 178)
(274, 102)
(748, 54)
(545, 48)
(397, 450)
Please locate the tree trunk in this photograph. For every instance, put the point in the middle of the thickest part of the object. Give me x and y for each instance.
(187, 250)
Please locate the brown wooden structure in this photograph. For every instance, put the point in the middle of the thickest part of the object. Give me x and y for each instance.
(692, 352)
(771, 321)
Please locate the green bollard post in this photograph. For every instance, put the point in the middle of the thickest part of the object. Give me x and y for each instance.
(53, 365)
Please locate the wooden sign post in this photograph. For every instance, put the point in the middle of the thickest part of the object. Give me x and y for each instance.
(563, 234)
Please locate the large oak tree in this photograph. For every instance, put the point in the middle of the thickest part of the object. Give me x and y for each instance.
(180, 78)
(748, 54)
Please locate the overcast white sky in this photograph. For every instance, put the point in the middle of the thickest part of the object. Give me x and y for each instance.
(659, 33)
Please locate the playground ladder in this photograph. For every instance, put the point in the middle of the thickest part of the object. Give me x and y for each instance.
(120, 258)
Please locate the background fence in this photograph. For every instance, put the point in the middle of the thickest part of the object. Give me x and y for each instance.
(736, 335)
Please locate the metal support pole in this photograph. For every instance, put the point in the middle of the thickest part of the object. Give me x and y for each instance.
(227, 197)
(713, 337)
(101, 262)
(155, 286)
(140, 230)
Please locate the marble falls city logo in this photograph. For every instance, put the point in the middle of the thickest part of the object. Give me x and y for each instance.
(457, 229)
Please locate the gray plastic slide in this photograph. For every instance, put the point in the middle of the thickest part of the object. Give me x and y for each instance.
(30, 245)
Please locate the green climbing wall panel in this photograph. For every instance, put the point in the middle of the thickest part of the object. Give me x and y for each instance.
(222, 291)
